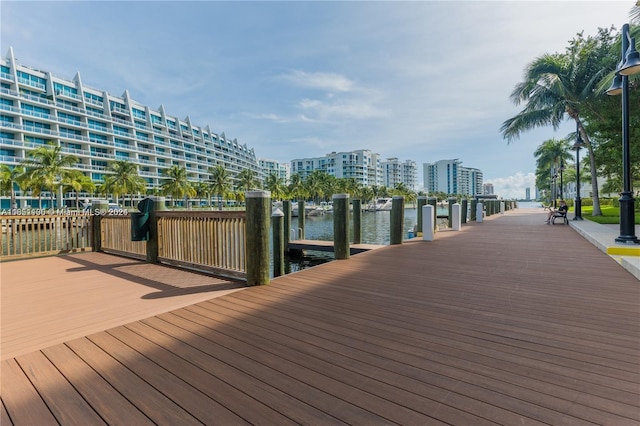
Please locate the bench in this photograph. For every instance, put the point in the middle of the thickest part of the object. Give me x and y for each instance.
(556, 215)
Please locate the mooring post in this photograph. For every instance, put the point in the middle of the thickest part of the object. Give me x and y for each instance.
(158, 204)
(428, 218)
(341, 226)
(455, 217)
(301, 218)
(397, 219)
(472, 210)
(258, 215)
(98, 209)
(422, 201)
(479, 212)
(277, 219)
(286, 210)
(502, 207)
(357, 221)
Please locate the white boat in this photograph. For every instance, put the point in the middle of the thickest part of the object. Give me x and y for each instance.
(381, 204)
(309, 210)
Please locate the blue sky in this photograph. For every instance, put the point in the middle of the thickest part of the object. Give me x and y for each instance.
(421, 81)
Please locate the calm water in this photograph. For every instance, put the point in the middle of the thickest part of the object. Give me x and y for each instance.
(375, 230)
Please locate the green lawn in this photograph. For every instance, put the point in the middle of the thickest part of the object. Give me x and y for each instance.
(610, 215)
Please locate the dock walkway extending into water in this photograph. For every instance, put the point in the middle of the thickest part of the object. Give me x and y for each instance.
(509, 321)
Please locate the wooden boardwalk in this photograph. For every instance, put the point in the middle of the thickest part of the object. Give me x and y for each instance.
(507, 322)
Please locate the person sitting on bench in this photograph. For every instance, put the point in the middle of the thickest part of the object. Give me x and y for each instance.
(560, 211)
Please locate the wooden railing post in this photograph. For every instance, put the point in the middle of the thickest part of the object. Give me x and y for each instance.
(301, 218)
(286, 210)
(153, 241)
(98, 209)
(257, 246)
(277, 219)
(357, 221)
(397, 219)
(341, 226)
(472, 210)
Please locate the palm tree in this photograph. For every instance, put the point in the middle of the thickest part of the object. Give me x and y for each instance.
(203, 190)
(220, 182)
(558, 86)
(549, 156)
(48, 166)
(296, 186)
(177, 183)
(77, 181)
(124, 179)
(10, 177)
(247, 180)
(275, 184)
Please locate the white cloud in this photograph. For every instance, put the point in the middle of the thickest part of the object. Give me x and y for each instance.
(320, 80)
(514, 186)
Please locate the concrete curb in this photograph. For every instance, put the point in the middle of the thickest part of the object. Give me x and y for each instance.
(603, 237)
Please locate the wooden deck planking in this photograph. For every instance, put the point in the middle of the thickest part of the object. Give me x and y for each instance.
(509, 321)
(93, 292)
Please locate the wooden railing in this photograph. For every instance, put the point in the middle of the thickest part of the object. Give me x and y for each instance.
(209, 241)
(116, 237)
(45, 233)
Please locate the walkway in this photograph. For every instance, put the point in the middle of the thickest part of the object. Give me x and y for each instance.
(509, 321)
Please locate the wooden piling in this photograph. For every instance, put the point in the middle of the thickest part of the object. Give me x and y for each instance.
(397, 219)
(341, 226)
(286, 210)
(422, 201)
(152, 242)
(301, 218)
(277, 220)
(357, 221)
(97, 209)
(257, 233)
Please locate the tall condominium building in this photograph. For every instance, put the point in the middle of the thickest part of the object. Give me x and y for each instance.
(37, 108)
(488, 189)
(362, 165)
(282, 170)
(450, 177)
(395, 172)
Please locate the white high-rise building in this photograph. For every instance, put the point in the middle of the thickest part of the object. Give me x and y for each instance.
(395, 172)
(362, 165)
(282, 170)
(450, 177)
(37, 108)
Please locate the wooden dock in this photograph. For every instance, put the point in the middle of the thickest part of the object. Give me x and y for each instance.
(327, 246)
(507, 322)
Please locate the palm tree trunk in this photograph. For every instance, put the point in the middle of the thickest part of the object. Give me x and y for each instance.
(594, 173)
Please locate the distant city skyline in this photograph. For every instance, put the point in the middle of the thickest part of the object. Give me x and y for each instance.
(419, 81)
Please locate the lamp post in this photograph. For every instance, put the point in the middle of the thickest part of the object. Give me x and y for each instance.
(561, 184)
(554, 187)
(629, 64)
(578, 204)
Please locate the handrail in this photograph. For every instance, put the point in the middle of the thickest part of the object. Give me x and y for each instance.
(44, 234)
(213, 241)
